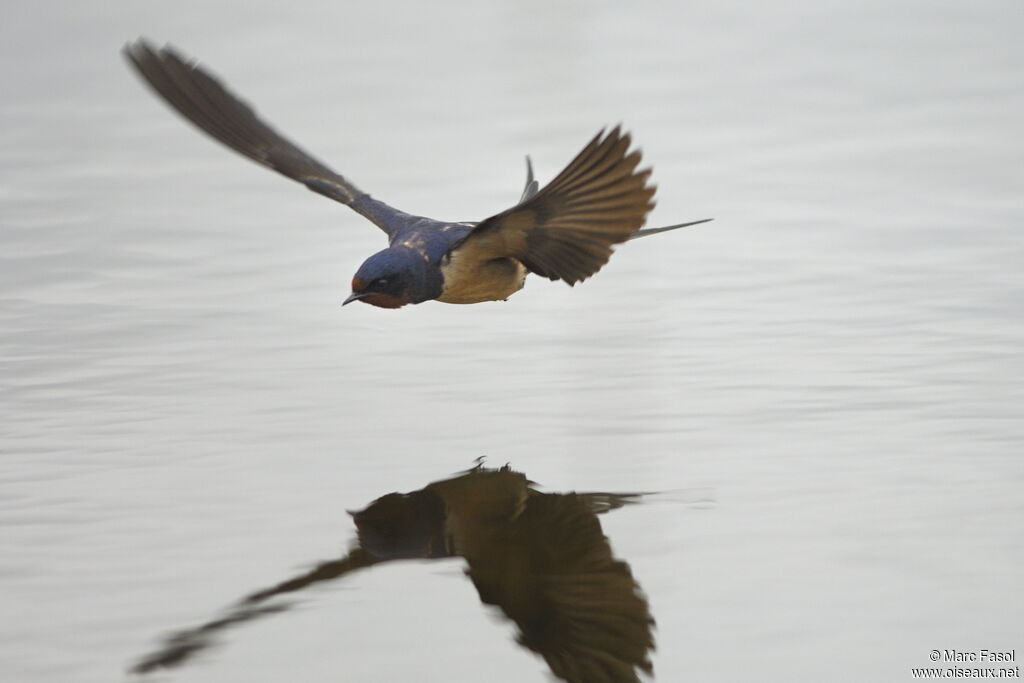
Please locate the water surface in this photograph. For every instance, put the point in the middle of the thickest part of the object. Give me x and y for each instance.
(187, 412)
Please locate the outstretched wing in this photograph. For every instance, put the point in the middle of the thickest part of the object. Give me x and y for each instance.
(567, 229)
(208, 104)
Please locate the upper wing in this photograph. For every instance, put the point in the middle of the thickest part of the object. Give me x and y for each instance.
(204, 101)
(567, 229)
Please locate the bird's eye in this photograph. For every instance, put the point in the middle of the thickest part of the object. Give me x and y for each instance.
(381, 282)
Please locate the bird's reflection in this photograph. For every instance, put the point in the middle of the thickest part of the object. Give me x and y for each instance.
(542, 558)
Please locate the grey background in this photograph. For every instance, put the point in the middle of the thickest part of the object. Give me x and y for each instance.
(827, 379)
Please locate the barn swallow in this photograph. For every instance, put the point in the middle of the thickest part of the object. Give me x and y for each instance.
(563, 231)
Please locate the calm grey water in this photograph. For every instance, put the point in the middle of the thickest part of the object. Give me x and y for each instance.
(835, 363)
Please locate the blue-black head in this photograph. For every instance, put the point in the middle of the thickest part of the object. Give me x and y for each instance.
(395, 277)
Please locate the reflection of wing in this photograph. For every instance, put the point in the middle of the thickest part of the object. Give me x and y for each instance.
(551, 571)
(566, 230)
(357, 558)
(183, 646)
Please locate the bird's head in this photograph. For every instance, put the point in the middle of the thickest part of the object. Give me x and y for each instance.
(395, 277)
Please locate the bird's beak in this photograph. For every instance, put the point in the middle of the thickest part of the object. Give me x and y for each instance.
(354, 296)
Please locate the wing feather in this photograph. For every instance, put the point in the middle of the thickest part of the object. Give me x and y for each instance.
(210, 106)
(566, 230)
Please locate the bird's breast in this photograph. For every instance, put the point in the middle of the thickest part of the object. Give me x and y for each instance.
(469, 280)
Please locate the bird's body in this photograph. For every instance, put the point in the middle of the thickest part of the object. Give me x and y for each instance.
(469, 280)
(563, 231)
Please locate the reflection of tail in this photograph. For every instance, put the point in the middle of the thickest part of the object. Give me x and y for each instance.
(600, 502)
(182, 646)
(695, 497)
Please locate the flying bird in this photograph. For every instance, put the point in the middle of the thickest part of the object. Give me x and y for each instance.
(563, 231)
